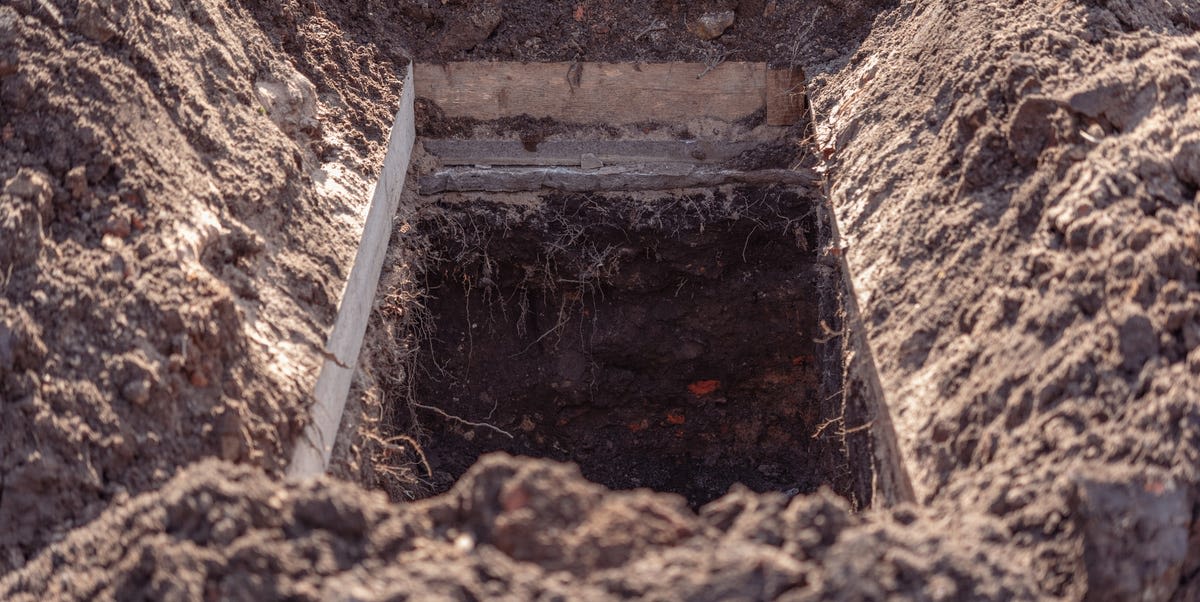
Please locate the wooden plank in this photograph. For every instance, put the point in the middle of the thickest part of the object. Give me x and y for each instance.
(785, 96)
(613, 93)
(606, 179)
(569, 152)
(312, 450)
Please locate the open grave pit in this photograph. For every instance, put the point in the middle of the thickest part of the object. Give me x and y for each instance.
(682, 343)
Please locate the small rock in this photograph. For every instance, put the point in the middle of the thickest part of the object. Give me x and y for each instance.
(710, 26)
(1134, 526)
(229, 431)
(1138, 342)
(473, 29)
(225, 531)
(91, 22)
(590, 161)
(1031, 129)
(198, 379)
(137, 391)
(1187, 161)
(20, 237)
(77, 182)
(116, 225)
(1096, 101)
(111, 243)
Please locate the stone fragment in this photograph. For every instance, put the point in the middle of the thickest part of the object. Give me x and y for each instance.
(137, 391)
(1031, 129)
(710, 26)
(1134, 524)
(77, 181)
(91, 21)
(472, 29)
(590, 161)
(116, 225)
(1187, 161)
(1138, 341)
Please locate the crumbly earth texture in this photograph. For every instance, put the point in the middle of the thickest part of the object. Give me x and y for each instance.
(179, 205)
(1016, 183)
(517, 529)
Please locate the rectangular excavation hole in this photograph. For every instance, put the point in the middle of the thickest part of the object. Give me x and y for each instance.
(682, 343)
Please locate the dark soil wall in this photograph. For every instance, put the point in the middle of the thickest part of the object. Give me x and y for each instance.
(672, 344)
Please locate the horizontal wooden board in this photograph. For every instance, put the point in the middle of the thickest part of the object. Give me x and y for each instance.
(613, 93)
(570, 152)
(606, 179)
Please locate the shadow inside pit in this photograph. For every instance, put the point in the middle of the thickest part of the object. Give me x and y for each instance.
(682, 344)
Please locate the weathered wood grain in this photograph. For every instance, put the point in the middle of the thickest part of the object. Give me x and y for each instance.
(310, 457)
(613, 93)
(785, 96)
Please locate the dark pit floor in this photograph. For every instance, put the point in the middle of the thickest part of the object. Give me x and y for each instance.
(675, 344)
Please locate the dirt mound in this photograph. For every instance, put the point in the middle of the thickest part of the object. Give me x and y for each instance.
(512, 529)
(1037, 319)
(168, 183)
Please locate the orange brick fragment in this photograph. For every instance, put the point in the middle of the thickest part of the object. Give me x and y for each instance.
(676, 417)
(704, 387)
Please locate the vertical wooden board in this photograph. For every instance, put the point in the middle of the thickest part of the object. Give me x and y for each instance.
(310, 456)
(615, 93)
(785, 96)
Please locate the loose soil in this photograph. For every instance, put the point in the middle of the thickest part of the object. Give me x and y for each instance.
(1015, 185)
(603, 30)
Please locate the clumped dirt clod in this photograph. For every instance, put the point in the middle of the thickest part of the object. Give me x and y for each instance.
(673, 343)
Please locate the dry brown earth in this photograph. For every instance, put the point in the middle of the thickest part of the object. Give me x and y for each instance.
(1016, 184)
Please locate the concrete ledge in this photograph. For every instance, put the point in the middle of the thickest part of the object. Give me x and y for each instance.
(312, 451)
(604, 179)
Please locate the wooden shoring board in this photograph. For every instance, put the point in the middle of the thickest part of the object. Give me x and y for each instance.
(612, 93)
(785, 96)
(606, 179)
(310, 456)
(570, 152)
